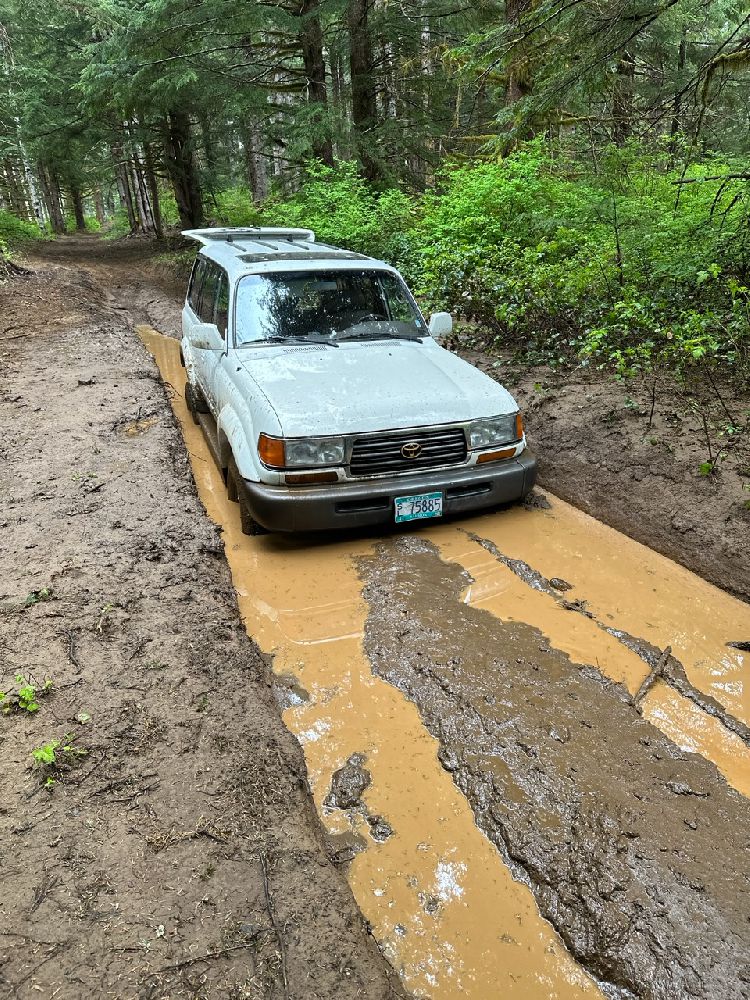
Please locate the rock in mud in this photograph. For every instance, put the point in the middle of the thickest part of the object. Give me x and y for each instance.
(348, 784)
(380, 828)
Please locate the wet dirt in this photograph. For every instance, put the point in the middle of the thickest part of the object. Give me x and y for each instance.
(622, 837)
(182, 855)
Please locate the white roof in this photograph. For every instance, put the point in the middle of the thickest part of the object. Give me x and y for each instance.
(253, 250)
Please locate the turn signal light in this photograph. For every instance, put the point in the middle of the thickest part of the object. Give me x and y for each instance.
(305, 478)
(496, 456)
(271, 451)
(519, 426)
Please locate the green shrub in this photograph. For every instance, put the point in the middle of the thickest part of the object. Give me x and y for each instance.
(15, 232)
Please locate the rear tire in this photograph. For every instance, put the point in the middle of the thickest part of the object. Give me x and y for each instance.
(237, 495)
(190, 401)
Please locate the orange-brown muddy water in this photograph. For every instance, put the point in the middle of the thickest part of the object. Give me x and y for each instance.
(442, 903)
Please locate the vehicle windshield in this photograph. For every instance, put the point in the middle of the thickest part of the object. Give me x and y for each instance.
(325, 307)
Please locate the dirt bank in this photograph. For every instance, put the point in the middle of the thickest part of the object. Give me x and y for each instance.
(636, 851)
(630, 453)
(165, 844)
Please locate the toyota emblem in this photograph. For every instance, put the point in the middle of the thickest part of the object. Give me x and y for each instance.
(412, 450)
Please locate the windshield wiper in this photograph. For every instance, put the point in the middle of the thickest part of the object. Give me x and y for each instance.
(372, 335)
(292, 340)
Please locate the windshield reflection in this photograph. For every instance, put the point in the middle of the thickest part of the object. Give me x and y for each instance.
(325, 307)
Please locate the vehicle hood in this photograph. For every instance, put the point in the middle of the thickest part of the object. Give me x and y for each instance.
(371, 386)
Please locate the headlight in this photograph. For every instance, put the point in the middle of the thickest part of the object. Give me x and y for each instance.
(300, 453)
(496, 430)
(309, 451)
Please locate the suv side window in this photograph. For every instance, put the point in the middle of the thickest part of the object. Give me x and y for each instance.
(222, 303)
(196, 283)
(208, 293)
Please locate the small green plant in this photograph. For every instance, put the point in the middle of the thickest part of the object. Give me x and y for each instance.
(51, 760)
(38, 596)
(26, 697)
(104, 616)
(706, 468)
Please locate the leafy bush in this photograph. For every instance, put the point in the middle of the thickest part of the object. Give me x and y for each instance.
(341, 207)
(630, 267)
(15, 232)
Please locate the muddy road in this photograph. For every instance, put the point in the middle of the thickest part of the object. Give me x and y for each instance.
(525, 737)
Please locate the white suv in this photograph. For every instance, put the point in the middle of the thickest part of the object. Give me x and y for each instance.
(324, 396)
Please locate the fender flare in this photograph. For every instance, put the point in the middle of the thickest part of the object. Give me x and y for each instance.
(233, 440)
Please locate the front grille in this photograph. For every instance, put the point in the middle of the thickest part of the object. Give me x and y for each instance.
(380, 453)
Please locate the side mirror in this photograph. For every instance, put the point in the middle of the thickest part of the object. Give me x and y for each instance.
(441, 325)
(206, 337)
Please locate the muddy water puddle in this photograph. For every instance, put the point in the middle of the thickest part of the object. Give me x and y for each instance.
(443, 905)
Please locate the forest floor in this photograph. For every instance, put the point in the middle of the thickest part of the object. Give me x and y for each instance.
(518, 661)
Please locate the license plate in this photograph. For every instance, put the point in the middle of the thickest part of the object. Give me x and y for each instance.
(417, 507)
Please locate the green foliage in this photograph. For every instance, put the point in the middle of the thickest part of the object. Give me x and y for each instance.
(25, 698)
(16, 233)
(338, 204)
(52, 759)
(627, 267)
(39, 596)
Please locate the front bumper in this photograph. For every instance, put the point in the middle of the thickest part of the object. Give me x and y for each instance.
(371, 502)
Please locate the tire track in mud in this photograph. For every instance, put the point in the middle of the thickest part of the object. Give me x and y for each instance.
(635, 851)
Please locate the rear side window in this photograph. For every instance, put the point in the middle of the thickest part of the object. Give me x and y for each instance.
(208, 293)
(196, 283)
(222, 303)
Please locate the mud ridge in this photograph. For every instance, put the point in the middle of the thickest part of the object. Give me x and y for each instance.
(671, 671)
(636, 851)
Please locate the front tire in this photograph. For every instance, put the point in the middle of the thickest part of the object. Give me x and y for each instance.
(237, 495)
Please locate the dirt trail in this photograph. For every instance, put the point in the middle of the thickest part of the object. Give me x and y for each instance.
(485, 681)
(178, 852)
(444, 910)
(443, 906)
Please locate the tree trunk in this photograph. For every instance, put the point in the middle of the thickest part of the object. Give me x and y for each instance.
(37, 204)
(311, 41)
(180, 163)
(123, 186)
(519, 72)
(364, 94)
(622, 98)
(101, 215)
(255, 164)
(51, 195)
(77, 200)
(677, 105)
(140, 194)
(153, 187)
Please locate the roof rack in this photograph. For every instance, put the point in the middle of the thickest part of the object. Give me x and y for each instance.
(206, 236)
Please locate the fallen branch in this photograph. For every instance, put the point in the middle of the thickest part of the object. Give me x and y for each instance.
(221, 953)
(655, 673)
(272, 915)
